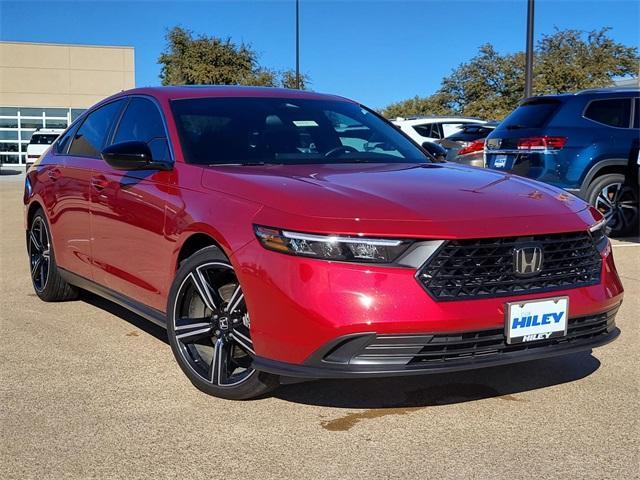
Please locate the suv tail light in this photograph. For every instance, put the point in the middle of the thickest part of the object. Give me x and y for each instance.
(475, 146)
(541, 143)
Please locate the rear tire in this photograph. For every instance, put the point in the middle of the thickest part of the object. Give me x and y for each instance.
(617, 201)
(209, 329)
(45, 276)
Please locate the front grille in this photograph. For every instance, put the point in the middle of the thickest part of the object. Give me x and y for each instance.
(467, 269)
(421, 350)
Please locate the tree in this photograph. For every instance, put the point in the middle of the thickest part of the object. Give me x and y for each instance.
(204, 60)
(490, 84)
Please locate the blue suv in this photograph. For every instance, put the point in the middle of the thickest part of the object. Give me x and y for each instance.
(581, 142)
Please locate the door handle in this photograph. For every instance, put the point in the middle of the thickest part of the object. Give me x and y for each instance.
(54, 174)
(99, 183)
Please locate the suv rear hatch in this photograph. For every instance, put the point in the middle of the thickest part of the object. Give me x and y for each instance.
(521, 142)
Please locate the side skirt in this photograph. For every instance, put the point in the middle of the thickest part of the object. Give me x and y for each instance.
(151, 314)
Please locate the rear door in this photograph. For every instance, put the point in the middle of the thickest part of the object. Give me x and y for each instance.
(80, 148)
(130, 252)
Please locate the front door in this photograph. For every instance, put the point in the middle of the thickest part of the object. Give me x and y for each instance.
(130, 252)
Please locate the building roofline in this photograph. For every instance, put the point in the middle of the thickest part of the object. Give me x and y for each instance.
(66, 44)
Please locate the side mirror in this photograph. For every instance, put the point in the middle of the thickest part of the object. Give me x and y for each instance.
(437, 151)
(132, 156)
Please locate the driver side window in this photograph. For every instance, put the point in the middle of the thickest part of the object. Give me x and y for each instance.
(142, 122)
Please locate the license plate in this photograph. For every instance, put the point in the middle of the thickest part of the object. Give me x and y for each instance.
(500, 161)
(536, 320)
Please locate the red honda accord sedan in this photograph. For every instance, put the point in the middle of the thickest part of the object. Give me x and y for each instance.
(279, 233)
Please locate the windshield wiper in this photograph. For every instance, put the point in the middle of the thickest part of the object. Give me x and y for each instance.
(244, 164)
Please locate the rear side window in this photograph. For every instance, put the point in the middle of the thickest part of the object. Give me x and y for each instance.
(142, 122)
(91, 137)
(431, 130)
(636, 113)
(532, 114)
(615, 112)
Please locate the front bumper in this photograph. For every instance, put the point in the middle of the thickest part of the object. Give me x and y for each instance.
(300, 305)
(372, 355)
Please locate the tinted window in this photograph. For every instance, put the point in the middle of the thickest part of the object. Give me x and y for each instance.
(63, 141)
(431, 130)
(142, 122)
(450, 128)
(636, 114)
(470, 133)
(531, 114)
(613, 112)
(92, 134)
(281, 130)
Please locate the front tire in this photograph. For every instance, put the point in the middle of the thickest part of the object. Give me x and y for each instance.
(45, 276)
(617, 201)
(208, 326)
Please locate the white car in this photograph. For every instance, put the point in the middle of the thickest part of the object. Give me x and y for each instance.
(40, 141)
(431, 129)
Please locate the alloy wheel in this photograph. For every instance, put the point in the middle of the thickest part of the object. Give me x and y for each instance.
(212, 327)
(619, 205)
(39, 253)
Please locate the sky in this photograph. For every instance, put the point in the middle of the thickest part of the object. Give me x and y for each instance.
(376, 52)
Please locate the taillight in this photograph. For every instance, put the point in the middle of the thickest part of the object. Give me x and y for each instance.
(475, 146)
(541, 143)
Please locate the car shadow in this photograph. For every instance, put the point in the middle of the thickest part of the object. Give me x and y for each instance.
(403, 394)
(503, 382)
(126, 315)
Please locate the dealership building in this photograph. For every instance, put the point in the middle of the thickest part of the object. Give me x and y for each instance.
(45, 85)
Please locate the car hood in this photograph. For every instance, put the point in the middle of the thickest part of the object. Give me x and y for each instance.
(425, 199)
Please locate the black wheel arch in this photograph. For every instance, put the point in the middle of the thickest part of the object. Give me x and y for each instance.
(602, 167)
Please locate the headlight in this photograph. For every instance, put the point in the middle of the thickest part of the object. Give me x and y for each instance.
(599, 233)
(331, 247)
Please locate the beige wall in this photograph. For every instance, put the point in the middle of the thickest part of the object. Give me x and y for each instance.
(72, 76)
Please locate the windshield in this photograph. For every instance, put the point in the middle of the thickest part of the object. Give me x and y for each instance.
(42, 139)
(287, 131)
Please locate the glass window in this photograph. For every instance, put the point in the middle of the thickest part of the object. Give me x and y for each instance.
(470, 133)
(636, 114)
(8, 111)
(9, 147)
(141, 122)
(26, 134)
(30, 123)
(92, 134)
(75, 113)
(287, 131)
(429, 130)
(61, 145)
(55, 123)
(9, 158)
(8, 123)
(31, 112)
(42, 139)
(450, 128)
(615, 112)
(9, 135)
(531, 114)
(56, 112)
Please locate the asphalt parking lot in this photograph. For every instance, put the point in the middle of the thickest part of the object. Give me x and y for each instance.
(88, 390)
